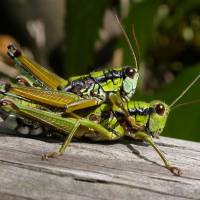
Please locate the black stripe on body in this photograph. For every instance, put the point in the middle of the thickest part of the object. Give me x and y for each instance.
(141, 111)
(134, 113)
(89, 80)
(93, 86)
(110, 75)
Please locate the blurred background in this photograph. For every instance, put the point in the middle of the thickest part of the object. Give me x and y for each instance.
(75, 37)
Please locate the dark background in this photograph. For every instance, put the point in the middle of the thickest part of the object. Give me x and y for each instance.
(73, 37)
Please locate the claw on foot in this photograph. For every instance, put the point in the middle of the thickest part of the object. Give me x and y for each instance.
(176, 171)
(50, 155)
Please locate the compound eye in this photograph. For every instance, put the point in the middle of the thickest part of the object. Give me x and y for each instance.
(130, 72)
(160, 109)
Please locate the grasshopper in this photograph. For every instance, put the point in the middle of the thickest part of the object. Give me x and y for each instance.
(51, 100)
(106, 122)
(112, 85)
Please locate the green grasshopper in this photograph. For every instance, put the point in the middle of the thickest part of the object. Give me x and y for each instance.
(113, 85)
(50, 100)
(106, 122)
(46, 88)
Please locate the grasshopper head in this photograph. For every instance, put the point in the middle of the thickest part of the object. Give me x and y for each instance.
(130, 81)
(158, 117)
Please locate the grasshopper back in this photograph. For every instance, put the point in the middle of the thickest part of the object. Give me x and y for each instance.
(100, 83)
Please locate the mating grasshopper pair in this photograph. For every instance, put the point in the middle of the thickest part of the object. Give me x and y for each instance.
(103, 96)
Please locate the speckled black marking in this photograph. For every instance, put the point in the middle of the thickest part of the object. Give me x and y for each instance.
(86, 82)
(83, 84)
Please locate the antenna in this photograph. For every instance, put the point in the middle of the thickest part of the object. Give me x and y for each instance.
(128, 41)
(136, 43)
(185, 91)
(185, 104)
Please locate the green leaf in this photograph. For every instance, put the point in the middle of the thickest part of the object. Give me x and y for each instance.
(83, 21)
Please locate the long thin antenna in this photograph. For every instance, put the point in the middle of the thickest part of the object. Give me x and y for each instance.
(185, 91)
(136, 43)
(185, 104)
(128, 41)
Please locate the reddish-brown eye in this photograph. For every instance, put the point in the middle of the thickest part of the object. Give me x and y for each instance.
(160, 109)
(130, 72)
